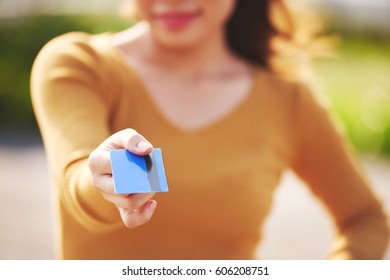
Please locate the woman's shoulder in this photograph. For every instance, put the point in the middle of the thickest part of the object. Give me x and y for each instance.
(70, 38)
(72, 44)
(277, 85)
(65, 43)
(78, 52)
(272, 79)
(296, 92)
(73, 61)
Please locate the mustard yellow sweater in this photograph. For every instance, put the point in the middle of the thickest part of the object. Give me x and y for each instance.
(220, 194)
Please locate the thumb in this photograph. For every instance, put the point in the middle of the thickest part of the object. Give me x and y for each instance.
(131, 140)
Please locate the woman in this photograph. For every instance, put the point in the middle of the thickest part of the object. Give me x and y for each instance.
(195, 78)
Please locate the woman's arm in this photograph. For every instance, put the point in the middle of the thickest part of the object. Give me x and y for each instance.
(72, 105)
(325, 161)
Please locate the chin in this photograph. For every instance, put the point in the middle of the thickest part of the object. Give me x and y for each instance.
(178, 41)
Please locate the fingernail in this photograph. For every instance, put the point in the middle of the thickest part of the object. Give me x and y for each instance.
(152, 206)
(143, 146)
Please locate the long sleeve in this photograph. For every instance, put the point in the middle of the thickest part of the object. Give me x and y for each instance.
(325, 161)
(71, 101)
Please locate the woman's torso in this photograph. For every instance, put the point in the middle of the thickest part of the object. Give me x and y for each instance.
(221, 175)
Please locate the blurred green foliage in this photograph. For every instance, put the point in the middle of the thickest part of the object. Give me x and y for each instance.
(21, 39)
(357, 81)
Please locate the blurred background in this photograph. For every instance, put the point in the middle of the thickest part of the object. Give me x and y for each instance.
(356, 80)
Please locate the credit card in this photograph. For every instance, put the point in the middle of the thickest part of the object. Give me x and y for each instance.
(138, 174)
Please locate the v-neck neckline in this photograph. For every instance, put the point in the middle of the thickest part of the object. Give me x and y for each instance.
(225, 118)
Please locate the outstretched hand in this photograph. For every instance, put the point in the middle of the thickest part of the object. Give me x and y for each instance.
(135, 209)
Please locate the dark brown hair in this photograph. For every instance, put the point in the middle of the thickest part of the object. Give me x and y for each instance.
(268, 34)
(249, 31)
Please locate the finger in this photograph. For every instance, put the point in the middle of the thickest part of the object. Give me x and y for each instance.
(136, 217)
(99, 162)
(132, 201)
(132, 141)
(104, 183)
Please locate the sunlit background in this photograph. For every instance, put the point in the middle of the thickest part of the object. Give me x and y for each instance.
(356, 80)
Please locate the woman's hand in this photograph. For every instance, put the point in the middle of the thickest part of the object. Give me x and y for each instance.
(135, 209)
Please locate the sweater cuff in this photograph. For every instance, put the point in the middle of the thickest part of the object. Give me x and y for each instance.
(363, 238)
(86, 204)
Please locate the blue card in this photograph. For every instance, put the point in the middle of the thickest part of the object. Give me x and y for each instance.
(138, 174)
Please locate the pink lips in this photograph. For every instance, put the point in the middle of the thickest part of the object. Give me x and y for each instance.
(176, 20)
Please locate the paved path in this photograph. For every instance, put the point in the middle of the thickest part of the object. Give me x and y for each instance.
(297, 228)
